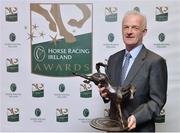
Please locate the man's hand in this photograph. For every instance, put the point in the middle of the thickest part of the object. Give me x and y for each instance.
(131, 122)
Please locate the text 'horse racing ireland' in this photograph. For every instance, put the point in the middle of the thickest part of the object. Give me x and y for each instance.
(116, 95)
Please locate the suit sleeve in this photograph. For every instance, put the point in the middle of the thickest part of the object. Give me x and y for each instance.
(157, 91)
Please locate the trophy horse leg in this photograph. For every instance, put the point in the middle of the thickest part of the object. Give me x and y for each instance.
(120, 114)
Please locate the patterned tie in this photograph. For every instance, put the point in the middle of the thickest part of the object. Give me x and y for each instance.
(125, 67)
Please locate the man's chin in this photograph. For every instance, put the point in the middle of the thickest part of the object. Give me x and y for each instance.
(130, 46)
(130, 43)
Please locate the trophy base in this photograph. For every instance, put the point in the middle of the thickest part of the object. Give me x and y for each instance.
(107, 124)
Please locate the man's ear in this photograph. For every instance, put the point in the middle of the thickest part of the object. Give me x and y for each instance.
(144, 31)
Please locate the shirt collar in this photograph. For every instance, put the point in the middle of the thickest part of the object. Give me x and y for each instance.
(134, 52)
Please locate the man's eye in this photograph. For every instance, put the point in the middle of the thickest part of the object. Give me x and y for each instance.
(126, 27)
(135, 27)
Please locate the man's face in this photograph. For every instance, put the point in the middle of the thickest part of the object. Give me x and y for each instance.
(132, 31)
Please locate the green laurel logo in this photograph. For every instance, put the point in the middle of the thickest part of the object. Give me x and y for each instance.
(136, 9)
(39, 53)
(85, 112)
(61, 87)
(111, 37)
(37, 112)
(12, 37)
(161, 37)
(13, 87)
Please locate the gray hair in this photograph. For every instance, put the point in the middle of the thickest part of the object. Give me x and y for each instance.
(135, 12)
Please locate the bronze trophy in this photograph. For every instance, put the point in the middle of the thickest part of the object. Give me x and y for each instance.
(116, 94)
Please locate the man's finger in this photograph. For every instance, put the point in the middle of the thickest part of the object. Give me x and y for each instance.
(131, 122)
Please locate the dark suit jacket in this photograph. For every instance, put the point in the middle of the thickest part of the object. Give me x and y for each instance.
(149, 75)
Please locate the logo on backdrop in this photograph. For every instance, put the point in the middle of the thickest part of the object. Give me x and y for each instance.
(13, 93)
(62, 115)
(61, 44)
(12, 43)
(111, 37)
(37, 90)
(37, 112)
(111, 14)
(161, 37)
(12, 37)
(39, 53)
(161, 117)
(162, 13)
(13, 114)
(85, 114)
(62, 92)
(37, 116)
(61, 87)
(110, 44)
(13, 87)
(11, 14)
(86, 90)
(162, 43)
(12, 64)
(137, 9)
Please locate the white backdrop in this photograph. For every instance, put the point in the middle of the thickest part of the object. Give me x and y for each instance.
(39, 114)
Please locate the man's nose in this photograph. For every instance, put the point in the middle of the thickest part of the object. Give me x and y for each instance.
(129, 30)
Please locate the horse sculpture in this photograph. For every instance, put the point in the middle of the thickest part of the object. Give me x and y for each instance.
(116, 94)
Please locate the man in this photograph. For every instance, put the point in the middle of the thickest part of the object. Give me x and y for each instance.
(146, 70)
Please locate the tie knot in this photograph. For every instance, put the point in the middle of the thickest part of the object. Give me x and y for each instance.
(128, 55)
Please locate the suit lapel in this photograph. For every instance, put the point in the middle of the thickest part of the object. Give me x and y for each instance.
(139, 61)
